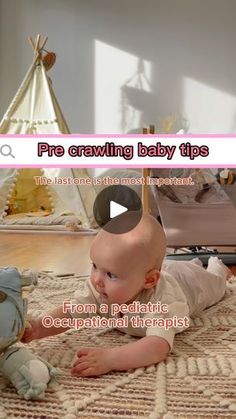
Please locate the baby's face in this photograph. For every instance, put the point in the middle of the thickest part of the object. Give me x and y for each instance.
(124, 264)
(117, 274)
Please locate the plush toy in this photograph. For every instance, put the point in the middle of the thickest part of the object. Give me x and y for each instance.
(226, 177)
(29, 374)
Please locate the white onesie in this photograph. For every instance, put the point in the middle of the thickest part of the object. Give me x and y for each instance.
(186, 287)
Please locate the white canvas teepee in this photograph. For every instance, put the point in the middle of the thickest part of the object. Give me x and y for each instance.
(35, 110)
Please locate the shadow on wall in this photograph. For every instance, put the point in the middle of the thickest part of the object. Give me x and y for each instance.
(137, 100)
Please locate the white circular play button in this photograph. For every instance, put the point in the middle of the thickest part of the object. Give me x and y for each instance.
(117, 209)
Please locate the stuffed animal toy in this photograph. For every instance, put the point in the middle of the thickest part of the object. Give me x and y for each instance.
(29, 374)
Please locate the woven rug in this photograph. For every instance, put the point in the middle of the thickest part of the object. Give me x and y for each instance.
(198, 380)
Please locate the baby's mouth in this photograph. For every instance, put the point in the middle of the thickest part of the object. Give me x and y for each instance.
(102, 293)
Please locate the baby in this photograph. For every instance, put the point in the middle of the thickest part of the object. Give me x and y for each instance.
(129, 268)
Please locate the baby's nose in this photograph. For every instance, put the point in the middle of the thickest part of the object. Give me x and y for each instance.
(99, 279)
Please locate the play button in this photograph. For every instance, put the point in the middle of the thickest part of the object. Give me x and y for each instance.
(117, 209)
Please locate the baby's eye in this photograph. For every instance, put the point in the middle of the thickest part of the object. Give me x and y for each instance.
(112, 276)
(94, 266)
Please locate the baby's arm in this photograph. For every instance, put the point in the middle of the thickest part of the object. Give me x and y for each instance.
(96, 361)
(36, 330)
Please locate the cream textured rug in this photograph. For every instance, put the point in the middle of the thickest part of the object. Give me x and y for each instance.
(198, 381)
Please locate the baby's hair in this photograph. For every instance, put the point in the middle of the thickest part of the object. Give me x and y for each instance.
(144, 245)
(149, 240)
(153, 239)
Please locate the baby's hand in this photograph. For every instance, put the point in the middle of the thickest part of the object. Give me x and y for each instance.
(31, 331)
(93, 362)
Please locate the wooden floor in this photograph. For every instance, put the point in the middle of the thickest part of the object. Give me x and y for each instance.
(53, 252)
(60, 253)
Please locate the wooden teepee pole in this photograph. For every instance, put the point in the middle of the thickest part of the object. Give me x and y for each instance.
(145, 174)
(37, 46)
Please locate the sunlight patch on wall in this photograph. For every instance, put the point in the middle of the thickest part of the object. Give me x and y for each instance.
(208, 109)
(122, 86)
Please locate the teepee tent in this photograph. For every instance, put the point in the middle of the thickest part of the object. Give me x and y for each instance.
(35, 110)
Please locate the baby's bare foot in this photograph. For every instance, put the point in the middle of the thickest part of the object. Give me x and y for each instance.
(217, 267)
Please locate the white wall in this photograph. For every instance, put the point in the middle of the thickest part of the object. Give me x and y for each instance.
(125, 63)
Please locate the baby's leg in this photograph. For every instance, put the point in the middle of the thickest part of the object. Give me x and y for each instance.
(202, 287)
(196, 261)
(217, 267)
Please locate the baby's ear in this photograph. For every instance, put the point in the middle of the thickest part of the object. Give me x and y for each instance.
(151, 278)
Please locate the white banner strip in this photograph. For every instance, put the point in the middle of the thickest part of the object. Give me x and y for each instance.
(118, 151)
